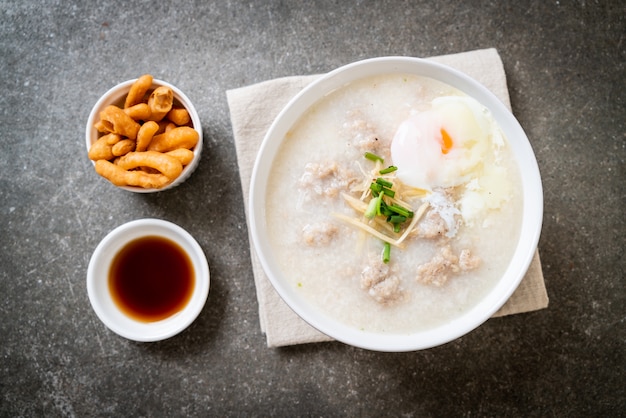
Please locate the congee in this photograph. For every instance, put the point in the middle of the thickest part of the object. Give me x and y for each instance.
(394, 204)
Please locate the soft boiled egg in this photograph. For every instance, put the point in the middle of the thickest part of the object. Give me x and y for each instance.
(442, 147)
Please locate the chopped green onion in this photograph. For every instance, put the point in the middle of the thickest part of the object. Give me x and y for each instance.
(370, 212)
(388, 192)
(386, 252)
(373, 208)
(388, 170)
(373, 157)
(384, 182)
(400, 210)
(396, 219)
(375, 187)
(384, 209)
(379, 202)
(396, 215)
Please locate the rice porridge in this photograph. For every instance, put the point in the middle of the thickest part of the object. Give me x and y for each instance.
(394, 204)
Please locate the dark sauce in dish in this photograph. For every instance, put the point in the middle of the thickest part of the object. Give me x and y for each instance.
(151, 279)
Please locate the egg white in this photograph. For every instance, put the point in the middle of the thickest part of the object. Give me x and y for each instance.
(426, 161)
(417, 151)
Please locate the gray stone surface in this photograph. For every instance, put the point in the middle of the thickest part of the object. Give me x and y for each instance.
(565, 65)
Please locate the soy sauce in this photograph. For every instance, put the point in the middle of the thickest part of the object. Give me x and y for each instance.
(151, 278)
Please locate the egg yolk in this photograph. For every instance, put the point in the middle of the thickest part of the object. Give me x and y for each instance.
(447, 143)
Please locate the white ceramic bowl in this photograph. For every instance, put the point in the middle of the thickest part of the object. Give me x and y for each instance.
(98, 281)
(116, 96)
(532, 210)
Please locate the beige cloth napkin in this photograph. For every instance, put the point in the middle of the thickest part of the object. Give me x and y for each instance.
(253, 109)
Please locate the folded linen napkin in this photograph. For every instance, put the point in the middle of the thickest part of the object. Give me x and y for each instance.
(253, 109)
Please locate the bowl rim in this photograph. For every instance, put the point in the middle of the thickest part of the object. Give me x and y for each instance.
(97, 280)
(532, 202)
(115, 94)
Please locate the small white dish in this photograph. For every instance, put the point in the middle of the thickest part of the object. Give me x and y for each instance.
(98, 281)
(116, 96)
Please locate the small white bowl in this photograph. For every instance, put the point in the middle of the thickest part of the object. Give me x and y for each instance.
(98, 281)
(116, 96)
(532, 205)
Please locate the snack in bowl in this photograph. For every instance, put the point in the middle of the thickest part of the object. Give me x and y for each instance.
(144, 135)
(395, 204)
